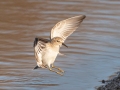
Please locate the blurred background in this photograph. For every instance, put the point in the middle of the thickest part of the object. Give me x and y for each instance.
(93, 53)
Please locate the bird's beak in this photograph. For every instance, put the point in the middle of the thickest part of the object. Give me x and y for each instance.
(64, 45)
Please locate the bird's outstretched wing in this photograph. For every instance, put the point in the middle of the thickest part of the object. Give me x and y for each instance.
(66, 27)
(39, 45)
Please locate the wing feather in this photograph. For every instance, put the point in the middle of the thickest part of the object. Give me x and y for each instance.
(66, 27)
(39, 45)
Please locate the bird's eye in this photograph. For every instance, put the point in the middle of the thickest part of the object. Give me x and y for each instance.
(58, 41)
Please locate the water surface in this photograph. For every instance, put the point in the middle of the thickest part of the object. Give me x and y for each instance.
(93, 53)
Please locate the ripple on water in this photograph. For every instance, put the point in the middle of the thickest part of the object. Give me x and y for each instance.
(93, 52)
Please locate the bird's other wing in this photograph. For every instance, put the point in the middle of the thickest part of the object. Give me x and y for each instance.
(39, 39)
(66, 27)
(39, 45)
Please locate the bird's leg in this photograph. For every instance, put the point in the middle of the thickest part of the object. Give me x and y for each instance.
(57, 68)
(55, 71)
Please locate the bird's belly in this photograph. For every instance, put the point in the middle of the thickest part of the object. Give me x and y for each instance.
(49, 57)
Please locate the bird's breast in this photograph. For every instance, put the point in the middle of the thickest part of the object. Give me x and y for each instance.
(52, 52)
(49, 56)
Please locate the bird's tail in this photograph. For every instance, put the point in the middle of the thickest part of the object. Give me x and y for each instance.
(36, 67)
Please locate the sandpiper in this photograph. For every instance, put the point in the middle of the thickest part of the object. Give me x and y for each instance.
(46, 50)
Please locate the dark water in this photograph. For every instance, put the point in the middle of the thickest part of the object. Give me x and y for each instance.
(93, 53)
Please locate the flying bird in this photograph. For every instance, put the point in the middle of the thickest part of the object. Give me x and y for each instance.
(46, 50)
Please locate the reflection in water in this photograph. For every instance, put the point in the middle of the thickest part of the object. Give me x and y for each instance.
(93, 52)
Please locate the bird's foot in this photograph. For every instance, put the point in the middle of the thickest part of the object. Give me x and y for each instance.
(56, 71)
(58, 68)
(61, 70)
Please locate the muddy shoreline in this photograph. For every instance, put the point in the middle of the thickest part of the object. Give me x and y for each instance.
(111, 84)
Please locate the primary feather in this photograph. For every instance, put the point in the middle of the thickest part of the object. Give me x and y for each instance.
(66, 27)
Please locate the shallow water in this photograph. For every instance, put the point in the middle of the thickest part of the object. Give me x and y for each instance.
(93, 53)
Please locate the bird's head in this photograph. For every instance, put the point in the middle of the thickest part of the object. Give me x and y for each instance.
(58, 41)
